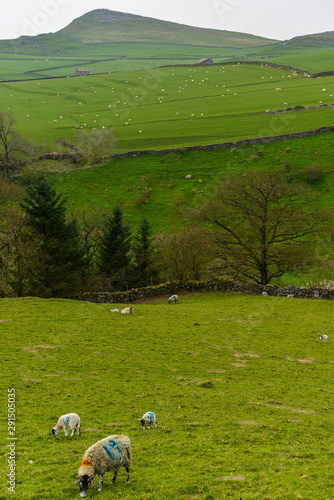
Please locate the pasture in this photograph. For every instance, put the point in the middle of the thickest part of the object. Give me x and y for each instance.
(241, 386)
(171, 107)
(157, 186)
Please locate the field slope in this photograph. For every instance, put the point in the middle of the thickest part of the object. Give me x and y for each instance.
(239, 384)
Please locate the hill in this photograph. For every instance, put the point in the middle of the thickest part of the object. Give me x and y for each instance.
(105, 41)
(103, 25)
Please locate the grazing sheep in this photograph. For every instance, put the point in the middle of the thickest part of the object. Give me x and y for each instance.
(148, 418)
(106, 455)
(127, 310)
(71, 420)
(173, 298)
(290, 296)
(264, 294)
(323, 338)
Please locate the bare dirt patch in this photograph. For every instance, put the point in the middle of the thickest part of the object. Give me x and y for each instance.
(231, 478)
(216, 370)
(28, 349)
(239, 364)
(249, 355)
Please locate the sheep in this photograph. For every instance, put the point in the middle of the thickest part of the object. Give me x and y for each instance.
(127, 310)
(71, 420)
(173, 298)
(148, 418)
(323, 338)
(106, 455)
(290, 296)
(264, 294)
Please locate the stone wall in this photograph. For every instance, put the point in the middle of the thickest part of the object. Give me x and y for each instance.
(223, 145)
(217, 284)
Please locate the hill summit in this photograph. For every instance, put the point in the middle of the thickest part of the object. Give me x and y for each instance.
(105, 26)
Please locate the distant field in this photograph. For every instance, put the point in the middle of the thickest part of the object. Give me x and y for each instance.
(168, 107)
(240, 386)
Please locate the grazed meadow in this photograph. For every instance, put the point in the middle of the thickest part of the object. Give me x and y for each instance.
(241, 385)
(171, 107)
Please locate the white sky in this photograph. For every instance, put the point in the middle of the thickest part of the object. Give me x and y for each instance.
(279, 19)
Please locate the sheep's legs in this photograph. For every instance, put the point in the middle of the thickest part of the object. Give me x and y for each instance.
(101, 483)
(73, 431)
(114, 476)
(128, 476)
(79, 431)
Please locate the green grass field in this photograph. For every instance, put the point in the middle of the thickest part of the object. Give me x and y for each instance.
(127, 181)
(170, 107)
(241, 386)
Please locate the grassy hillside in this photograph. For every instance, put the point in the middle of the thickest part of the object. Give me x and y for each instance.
(128, 181)
(239, 384)
(169, 107)
(107, 41)
(103, 25)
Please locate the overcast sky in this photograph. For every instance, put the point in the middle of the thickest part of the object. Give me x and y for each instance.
(278, 19)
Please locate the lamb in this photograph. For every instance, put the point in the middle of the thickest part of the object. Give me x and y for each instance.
(173, 298)
(104, 456)
(71, 420)
(148, 418)
(323, 338)
(127, 310)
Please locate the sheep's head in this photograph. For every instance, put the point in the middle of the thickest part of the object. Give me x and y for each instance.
(84, 482)
(55, 430)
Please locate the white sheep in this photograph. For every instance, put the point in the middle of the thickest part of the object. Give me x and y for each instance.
(264, 294)
(70, 420)
(127, 310)
(148, 419)
(323, 338)
(173, 298)
(107, 455)
(290, 296)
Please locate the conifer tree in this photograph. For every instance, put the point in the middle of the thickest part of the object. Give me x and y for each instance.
(143, 255)
(62, 255)
(114, 254)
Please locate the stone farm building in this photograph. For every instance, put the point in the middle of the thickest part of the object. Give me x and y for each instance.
(204, 62)
(81, 71)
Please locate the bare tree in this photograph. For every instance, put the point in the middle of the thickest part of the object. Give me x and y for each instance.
(10, 142)
(263, 226)
(184, 255)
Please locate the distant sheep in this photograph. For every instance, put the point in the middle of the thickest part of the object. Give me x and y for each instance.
(264, 294)
(107, 455)
(323, 338)
(290, 296)
(127, 310)
(148, 419)
(71, 420)
(173, 298)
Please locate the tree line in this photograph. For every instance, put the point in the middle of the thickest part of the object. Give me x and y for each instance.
(254, 227)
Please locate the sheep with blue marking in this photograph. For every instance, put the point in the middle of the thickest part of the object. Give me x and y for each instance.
(323, 338)
(66, 422)
(173, 299)
(148, 419)
(107, 455)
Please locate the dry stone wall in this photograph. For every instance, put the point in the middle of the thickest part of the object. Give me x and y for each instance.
(218, 284)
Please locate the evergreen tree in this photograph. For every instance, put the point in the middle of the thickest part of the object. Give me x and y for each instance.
(114, 254)
(143, 255)
(62, 255)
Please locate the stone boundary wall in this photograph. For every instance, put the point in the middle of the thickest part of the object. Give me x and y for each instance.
(213, 285)
(222, 145)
